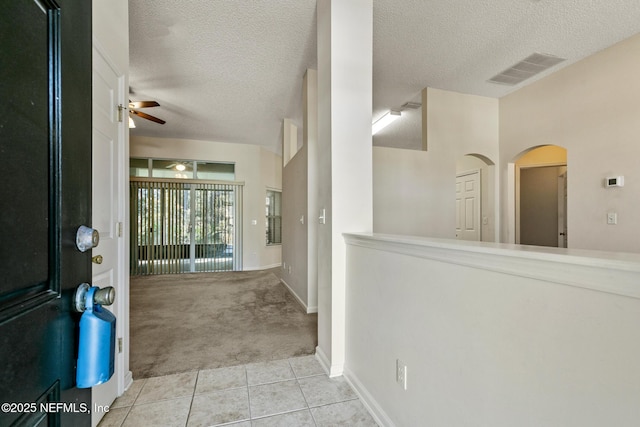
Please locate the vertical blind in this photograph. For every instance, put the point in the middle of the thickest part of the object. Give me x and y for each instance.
(185, 226)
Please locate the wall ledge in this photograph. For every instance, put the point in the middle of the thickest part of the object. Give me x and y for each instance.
(572, 267)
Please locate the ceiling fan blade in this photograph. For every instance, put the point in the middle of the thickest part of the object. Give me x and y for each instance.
(147, 116)
(143, 104)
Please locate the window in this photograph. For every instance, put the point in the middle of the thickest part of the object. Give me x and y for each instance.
(274, 218)
(216, 171)
(181, 169)
(180, 226)
(172, 169)
(186, 215)
(139, 167)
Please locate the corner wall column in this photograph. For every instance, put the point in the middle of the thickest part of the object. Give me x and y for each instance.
(310, 139)
(345, 46)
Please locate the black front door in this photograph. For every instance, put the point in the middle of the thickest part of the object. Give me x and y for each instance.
(45, 195)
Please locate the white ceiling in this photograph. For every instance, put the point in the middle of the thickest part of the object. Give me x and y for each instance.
(230, 71)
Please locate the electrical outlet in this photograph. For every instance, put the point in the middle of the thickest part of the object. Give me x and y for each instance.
(401, 373)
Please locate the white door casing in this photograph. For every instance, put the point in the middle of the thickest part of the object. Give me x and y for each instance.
(107, 193)
(563, 236)
(468, 206)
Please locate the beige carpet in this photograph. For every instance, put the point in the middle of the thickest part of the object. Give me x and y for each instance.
(184, 322)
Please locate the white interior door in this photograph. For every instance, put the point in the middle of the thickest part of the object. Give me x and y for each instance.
(468, 206)
(106, 143)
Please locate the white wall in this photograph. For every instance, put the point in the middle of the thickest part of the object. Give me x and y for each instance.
(345, 61)
(414, 191)
(110, 28)
(492, 335)
(295, 241)
(300, 206)
(258, 168)
(310, 140)
(323, 176)
(591, 109)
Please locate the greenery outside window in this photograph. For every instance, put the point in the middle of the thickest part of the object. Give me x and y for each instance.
(274, 217)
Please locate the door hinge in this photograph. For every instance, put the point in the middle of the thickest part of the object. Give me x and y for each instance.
(119, 228)
(119, 345)
(120, 112)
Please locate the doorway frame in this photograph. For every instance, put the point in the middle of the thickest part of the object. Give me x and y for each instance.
(123, 376)
(478, 210)
(490, 186)
(514, 179)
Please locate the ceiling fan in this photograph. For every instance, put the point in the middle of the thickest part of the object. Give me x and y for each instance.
(133, 111)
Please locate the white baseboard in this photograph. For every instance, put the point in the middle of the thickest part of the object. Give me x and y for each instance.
(263, 267)
(331, 370)
(324, 361)
(374, 408)
(308, 309)
(128, 380)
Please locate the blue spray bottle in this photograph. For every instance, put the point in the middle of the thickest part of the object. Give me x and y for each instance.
(97, 336)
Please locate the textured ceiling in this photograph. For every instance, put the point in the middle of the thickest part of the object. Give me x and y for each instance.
(230, 71)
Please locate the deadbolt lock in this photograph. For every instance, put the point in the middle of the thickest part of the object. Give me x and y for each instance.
(86, 238)
(97, 259)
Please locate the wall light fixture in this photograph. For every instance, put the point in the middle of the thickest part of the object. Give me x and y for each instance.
(385, 121)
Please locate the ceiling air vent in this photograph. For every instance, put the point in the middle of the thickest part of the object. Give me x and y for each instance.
(527, 68)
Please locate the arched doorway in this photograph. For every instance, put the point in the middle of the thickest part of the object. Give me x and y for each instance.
(541, 197)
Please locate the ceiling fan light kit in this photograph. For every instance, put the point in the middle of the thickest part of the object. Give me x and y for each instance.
(143, 104)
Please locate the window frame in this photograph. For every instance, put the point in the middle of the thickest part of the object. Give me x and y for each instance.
(193, 164)
(273, 217)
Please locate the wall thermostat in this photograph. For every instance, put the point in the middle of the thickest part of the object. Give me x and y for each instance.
(614, 181)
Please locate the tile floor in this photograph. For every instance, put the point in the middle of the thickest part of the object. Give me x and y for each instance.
(292, 392)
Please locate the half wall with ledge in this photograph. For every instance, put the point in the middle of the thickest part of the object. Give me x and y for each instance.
(492, 334)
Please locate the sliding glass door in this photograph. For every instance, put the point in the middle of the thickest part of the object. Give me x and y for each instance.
(179, 226)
